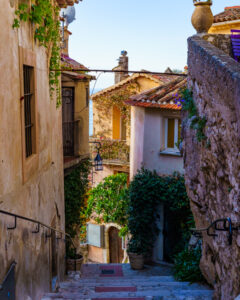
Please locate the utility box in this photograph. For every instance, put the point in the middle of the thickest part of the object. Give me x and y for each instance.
(95, 235)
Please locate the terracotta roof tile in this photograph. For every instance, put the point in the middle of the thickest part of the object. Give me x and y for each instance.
(64, 3)
(230, 14)
(160, 97)
(71, 63)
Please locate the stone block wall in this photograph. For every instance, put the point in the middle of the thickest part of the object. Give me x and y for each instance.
(212, 167)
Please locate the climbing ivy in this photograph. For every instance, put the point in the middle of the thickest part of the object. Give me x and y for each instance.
(44, 17)
(186, 101)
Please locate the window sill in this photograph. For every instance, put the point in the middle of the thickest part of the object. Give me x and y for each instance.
(170, 152)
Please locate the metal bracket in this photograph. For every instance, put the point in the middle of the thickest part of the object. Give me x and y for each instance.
(37, 230)
(15, 224)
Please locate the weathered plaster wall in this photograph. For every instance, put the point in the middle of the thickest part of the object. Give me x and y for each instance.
(224, 27)
(137, 139)
(41, 197)
(212, 173)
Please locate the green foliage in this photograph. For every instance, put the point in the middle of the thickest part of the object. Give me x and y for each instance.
(144, 197)
(186, 265)
(147, 191)
(75, 188)
(198, 123)
(44, 16)
(109, 201)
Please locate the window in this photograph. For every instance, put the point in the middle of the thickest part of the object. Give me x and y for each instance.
(172, 134)
(29, 113)
(119, 125)
(87, 97)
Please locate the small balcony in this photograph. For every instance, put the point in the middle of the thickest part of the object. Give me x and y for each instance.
(116, 152)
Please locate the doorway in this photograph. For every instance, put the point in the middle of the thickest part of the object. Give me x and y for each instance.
(68, 120)
(116, 252)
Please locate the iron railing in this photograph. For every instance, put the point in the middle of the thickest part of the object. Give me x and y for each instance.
(60, 234)
(224, 224)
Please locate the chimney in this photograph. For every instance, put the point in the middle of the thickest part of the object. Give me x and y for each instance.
(67, 33)
(122, 65)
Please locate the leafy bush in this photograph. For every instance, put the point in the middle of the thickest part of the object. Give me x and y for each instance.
(186, 265)
(144, 196)
(109, 201)
(75, 189)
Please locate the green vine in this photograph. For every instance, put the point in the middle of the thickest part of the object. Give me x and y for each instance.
(186, 101)
(44, 16)
(75, 190)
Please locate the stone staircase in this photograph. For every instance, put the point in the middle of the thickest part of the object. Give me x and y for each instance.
(119, 282)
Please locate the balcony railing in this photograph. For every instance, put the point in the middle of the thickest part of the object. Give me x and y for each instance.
(111, 150)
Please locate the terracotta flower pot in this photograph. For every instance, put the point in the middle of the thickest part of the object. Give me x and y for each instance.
(74, 264)
(202, 17)
(136, 261)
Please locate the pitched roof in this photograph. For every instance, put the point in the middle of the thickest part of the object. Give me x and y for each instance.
(230, 13)
(71, 63)
(65, 3)
(161, 97)
(157, 78)
(67, 62)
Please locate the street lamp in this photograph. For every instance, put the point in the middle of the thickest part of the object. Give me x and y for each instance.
(98, 160)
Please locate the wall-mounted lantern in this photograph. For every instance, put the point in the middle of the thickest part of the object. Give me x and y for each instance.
(98, 162)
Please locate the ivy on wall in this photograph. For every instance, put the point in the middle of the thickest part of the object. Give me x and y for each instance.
(44, 17)
(186, 101)
(75, 189)
(104, 104)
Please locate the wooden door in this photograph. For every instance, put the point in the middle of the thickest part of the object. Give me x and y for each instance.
(115, 246)
(68, 120)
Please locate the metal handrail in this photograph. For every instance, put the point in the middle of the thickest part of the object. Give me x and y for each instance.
(12, 266)
(16, 216)
(227, 227)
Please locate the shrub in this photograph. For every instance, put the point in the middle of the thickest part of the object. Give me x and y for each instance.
(109, 201)
(186, 265)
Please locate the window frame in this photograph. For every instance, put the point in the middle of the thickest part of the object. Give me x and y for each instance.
(175, 149)
(29, 164)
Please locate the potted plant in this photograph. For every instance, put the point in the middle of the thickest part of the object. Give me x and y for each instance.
(74, 261)
(135, 255)
(202, 17)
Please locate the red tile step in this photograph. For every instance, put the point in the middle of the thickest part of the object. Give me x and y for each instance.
(103, 289)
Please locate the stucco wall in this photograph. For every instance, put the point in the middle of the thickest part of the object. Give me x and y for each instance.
(154, 136)
(147, 139)
(41, 197)
(212, 172)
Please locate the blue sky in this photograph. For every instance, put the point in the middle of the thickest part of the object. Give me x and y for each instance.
(154, 32)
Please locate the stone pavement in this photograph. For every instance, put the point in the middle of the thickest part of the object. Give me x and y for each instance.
(119, 282)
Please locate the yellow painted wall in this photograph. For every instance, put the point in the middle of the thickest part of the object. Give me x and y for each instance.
(224, 27)
(116, 123)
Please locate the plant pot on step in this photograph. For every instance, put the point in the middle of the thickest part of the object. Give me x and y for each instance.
(74, 264)
(136, 261)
